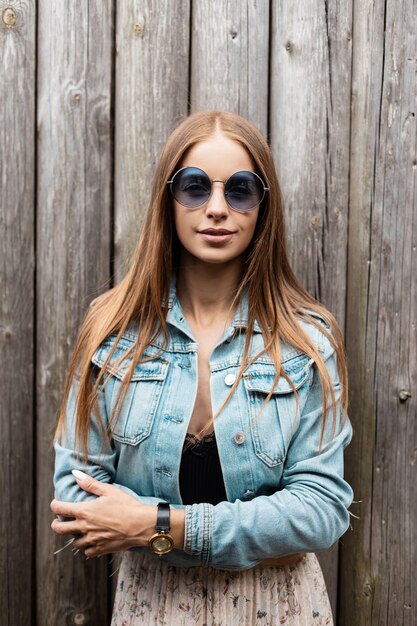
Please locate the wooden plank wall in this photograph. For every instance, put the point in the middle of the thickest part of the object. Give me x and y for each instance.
(381, 330)
(74, 212)
(17, 311)
(89, 92)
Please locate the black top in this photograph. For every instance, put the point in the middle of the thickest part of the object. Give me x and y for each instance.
(201, 478)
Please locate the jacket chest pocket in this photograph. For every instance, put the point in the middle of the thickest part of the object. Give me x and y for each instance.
(272, 428)
(141, 402)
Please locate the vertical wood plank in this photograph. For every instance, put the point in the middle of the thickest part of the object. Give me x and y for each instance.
(230, 58)
(73, 248)
(381, 320)
(309, 129)
(17, 216)
(356, 592)
(152, 66)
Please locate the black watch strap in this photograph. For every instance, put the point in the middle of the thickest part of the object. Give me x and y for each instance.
(163, 517)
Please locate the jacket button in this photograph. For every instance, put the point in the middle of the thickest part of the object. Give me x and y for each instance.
(320, 347)
(229, 379)
(239, 437)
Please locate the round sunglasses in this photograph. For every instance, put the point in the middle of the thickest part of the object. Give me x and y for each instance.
(192, 187)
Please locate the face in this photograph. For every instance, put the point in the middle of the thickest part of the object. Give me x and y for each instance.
(196, 228)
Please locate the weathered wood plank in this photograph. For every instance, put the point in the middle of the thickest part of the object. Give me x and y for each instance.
(309, 130)
(73, 260)
(229, 65)
(17, 217)
(381, 320)
(152, 66)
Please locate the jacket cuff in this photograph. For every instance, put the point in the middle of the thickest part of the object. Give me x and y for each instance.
(198, 531)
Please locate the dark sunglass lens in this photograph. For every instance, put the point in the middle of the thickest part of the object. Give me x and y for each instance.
(244, 191)
(191, 187)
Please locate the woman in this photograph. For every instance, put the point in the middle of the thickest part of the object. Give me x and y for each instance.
(208, 379)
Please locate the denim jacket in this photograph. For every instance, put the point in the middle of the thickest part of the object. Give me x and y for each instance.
(282, 496)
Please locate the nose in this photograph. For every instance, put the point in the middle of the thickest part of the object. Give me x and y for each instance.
(217, 206)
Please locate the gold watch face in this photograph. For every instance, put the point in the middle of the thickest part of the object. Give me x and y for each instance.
(161, 543)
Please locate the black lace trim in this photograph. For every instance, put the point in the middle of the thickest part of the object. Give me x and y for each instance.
(195, 444)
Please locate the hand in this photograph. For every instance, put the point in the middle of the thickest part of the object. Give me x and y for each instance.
(113, 521)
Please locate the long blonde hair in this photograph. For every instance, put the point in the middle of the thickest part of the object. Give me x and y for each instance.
(276, 298)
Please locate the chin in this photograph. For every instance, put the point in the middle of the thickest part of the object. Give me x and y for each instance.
(214, 257)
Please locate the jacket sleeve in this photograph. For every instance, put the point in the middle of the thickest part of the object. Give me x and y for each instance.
(310, 510)
(101, 462)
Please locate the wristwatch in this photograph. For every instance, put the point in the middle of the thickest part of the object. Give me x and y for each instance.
(162, 542)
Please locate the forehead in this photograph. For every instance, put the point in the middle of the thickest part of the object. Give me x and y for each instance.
(219, 156)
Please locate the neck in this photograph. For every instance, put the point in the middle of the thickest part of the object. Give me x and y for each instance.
(206, 290)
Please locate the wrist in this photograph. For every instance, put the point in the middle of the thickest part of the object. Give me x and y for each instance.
(168, 533)
(144, 524)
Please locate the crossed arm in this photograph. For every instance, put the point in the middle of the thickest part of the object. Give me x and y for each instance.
(113, 521)
(308, 513)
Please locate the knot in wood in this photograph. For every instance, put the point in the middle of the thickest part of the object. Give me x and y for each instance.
(138, 29)
(233, 33)
(404, 395)
(289, 46)
(80, 619)
(368, 590)
(9, 17)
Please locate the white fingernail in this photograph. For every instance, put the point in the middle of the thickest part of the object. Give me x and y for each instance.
(80, 475)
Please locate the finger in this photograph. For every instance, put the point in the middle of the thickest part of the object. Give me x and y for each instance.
(65, 528)
(69, 509)
(90, 484)
(96, 551)
(82, 542)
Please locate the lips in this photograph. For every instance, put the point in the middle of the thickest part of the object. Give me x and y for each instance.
(216, 236)
(216, 231)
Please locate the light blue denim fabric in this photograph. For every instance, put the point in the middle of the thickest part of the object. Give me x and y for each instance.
(282, 497)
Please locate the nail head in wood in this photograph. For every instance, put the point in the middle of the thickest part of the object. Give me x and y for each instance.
(404, 395)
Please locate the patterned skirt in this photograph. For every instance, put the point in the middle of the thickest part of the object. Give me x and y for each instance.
(152, 592)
